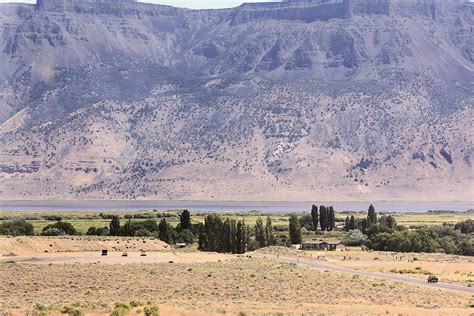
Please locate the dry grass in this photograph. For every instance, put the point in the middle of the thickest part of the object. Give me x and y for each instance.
(449, 268)
(27, 245)
(241, 284)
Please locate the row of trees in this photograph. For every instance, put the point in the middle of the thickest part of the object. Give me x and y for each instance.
(185, 231)
(234, 236)
(385, 235)
(429, 239)
(325, 217)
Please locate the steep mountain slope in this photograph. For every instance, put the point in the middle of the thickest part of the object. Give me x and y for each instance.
(304, 99)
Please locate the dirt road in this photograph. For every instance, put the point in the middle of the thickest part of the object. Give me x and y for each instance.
(393, 277)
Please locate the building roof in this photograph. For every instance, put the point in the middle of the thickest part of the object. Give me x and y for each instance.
(322, 243)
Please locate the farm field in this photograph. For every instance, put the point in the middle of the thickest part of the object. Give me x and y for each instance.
(83, 220)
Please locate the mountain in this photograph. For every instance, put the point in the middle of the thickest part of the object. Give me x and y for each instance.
(295, 100)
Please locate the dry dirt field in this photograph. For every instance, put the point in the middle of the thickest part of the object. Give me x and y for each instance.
(29, 245)
(449, 268)
(195, 283)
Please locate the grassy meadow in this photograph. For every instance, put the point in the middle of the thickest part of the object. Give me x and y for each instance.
(82, 220)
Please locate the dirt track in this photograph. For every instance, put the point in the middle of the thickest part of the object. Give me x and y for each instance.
(393, 277)
(117, 258)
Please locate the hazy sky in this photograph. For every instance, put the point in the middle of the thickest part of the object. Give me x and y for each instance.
(198, 4)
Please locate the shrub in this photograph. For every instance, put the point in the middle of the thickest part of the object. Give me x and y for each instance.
(53, 232)
(72, 309)
(142, 232)
(152, 310)
(432, 239)
(18, 227)
(100, 231)
(67, 228)
(186, 236)
(120, 309)
(466, 227)
(355, 238)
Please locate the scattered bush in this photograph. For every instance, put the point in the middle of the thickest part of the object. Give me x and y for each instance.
(18, 227)
(355, 238)
(56, 228)
(152, 310)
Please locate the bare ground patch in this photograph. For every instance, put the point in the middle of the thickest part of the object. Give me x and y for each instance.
(242, 284)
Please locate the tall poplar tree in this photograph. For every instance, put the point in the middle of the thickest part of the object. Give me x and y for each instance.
(269, 232)
(323, 217)
(164, 233)
(347, 224)
(260, 233)
(185, 220)
(315, 217)
(371, 216)
(353, 224)
(295, 229)
(114, 226)
(331, 218)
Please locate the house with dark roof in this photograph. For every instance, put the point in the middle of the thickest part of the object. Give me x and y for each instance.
(323, 245)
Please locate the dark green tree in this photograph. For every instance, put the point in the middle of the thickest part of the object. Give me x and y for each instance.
(202, 239)
(315, 217)
(391, 222)
(371, 216)
(295, 229)
(17, 227)
(269, 232)
(260, 236)
(353, 224)
(226, 237)
(331, 218)
(347, 224)
(114, 226)
(150, 224)
(65, 227)
(127, 229)
(164, 232)
(241, 237)
(306, 221)
(465, 227)
(97, 231)
(323, 217)
(185, 220)
(210, 237)
(233, 236)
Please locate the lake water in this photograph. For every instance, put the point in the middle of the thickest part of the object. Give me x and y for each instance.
(219, 206)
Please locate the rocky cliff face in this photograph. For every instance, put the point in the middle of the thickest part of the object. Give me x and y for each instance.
(304, 99)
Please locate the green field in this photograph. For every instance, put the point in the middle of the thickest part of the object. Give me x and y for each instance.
(83, 220)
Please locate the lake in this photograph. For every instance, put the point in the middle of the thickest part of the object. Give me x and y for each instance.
(223, 206)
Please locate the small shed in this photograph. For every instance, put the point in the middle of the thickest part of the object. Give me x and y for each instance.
(323, 245)
(336, 246)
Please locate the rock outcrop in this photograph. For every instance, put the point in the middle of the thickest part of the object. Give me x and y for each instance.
(302, 99)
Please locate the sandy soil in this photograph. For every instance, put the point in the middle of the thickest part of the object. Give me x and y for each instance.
(230, 286)
(34, 245)
(449, 268)
(187, 282)
(117, 258)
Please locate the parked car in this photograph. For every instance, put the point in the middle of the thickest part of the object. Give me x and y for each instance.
(142, 253)
(125, 254)
(432, 279)
(104, 252)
